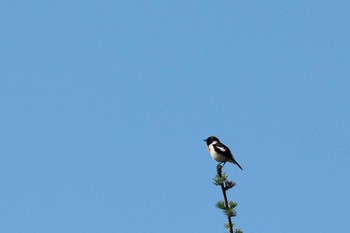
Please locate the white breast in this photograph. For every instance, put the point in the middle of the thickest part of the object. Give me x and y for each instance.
(216, 156)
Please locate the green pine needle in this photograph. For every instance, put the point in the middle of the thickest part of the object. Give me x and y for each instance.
(227, 226)
(232, 204)
(220, 180)
(220, 205)
(230, 212)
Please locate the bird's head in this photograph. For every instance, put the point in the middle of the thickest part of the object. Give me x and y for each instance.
(211, 139)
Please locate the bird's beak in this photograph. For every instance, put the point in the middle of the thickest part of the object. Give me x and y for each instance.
(205, 140)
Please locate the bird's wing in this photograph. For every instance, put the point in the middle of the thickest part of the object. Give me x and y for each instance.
(225, 151)
(222, 149)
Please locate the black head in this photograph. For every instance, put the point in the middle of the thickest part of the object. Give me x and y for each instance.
(211, 139)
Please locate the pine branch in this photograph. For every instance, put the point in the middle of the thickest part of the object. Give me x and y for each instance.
(228, 207)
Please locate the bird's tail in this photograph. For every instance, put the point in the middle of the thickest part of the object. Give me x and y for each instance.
(235, 162)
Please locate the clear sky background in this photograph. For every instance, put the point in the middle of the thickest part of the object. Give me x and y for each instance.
(105, 105)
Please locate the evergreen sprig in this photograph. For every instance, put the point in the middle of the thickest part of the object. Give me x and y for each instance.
(228, 207)
(219, 180)
(221, 205)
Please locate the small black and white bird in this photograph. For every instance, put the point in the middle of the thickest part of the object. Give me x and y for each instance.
(219, 151)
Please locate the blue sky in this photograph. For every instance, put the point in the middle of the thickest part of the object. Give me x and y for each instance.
(105, 105)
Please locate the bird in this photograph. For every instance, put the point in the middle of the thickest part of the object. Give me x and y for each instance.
(220, 152)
